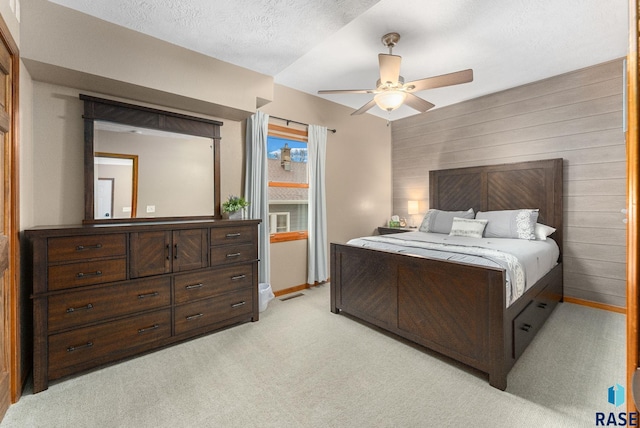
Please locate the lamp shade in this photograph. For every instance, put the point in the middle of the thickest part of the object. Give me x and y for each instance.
(412, 207)
(390, 100)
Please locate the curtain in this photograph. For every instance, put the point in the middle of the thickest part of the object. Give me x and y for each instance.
(256, 190)
(317, 241)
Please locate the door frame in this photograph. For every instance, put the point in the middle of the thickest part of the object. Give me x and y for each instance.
(633, 194)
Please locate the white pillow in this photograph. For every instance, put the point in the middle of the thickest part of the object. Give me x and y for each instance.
(519, 224)
(471, 228)
(440, 221)
(542, 231)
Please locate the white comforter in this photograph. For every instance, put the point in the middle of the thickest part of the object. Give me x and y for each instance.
(525, 262)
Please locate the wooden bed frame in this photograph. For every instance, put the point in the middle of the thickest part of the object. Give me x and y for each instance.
(454, 308)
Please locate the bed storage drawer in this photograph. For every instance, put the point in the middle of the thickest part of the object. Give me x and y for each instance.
(87, 347)
(93, 305)
(529, 321)
(527, 324)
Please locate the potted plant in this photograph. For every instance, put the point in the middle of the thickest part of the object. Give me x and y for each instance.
(233, 208)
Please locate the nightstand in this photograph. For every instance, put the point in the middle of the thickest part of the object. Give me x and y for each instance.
(385, 230)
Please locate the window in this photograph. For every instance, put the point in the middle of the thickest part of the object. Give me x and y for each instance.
(288, 183)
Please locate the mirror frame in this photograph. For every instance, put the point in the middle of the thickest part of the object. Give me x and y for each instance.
(145, 117)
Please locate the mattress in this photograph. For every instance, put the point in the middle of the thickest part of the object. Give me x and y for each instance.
(524, 261)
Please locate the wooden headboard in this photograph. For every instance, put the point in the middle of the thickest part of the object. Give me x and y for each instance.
(534, 184)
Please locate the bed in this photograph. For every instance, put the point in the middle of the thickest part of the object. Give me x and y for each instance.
(455, 308)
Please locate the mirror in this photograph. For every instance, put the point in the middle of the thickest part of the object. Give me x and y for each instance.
(143, 164)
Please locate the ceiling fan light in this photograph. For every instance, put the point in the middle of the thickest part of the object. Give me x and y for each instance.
(390, 100)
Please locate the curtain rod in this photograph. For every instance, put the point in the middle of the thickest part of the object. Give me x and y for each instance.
(299, 123)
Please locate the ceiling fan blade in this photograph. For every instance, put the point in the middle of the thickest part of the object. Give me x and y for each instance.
(418, 103)
(389, 68)
(347, 91)
(364, 108)
(456, 78)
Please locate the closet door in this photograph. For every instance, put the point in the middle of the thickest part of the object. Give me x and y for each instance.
(10, 364)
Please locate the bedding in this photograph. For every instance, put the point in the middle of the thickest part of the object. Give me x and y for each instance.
(439, 221)
(525, 261)
(510, 223)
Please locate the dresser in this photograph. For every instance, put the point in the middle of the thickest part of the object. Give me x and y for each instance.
(102, 293)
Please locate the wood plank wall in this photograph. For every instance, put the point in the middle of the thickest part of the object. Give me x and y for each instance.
(577, 116)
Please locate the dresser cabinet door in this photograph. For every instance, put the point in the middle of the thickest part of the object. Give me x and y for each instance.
(156, 253)
(189, 249)
(150, 253)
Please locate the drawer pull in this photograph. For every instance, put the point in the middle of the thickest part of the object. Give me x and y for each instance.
(237, 277)
(142, 296)
(542, 305)
(145, 329)
(175, 251)
(237, 305)
(232, 255)
(193, 317)
(232, 235)
(167, 252)
(83, 274)
(77, 347)
(82, 308)
(526, 327)
(192, 286)
(88, 247)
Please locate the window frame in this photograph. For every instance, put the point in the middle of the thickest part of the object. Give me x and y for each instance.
(294, 134)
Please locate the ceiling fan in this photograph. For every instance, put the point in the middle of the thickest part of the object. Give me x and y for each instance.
(391, 91)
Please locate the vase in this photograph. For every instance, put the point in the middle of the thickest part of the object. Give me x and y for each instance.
(236, 215)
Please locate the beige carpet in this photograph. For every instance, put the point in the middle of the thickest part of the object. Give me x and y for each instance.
(302, 366)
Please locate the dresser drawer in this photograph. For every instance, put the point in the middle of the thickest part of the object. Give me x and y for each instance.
(201, 285)
(86, 247)
(217, 309)
(86, 273)
(231, 235)
(233, 254)
(88, 306)
(80, 347)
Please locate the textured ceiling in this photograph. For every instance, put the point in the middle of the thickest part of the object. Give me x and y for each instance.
(333, 44)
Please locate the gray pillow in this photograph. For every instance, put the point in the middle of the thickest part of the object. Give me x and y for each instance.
(520, 224)
(469, 228)
(440, 221)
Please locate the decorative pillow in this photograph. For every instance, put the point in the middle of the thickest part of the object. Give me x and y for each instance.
(519, 224)
(470, 228)
(440, 221)
(542, 231)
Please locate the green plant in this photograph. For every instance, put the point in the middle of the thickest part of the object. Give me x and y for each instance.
(234, 203)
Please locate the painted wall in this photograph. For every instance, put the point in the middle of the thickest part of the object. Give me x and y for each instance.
(66, 47)
(56, 156)
(576, 116)
(75, 57)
